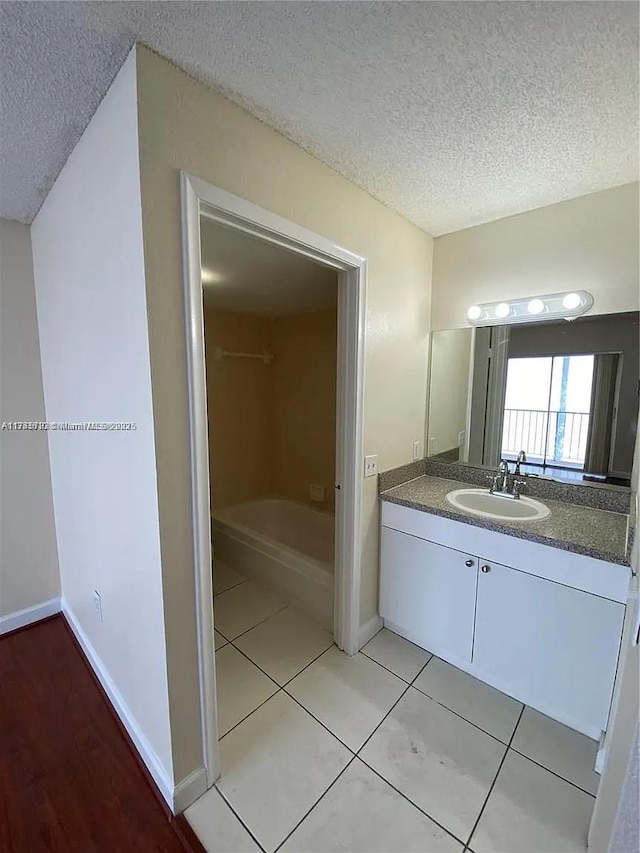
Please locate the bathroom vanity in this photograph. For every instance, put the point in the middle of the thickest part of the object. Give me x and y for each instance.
(534, 609)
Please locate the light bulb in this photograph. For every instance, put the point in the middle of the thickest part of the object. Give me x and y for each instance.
(536, 306)
(474, 313)
(572, 301)
(503, 310)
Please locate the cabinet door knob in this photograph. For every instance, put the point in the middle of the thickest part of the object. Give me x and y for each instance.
(485, 569)
(469, 563)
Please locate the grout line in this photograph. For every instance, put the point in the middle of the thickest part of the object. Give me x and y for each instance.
(306, 815)
(261, 622)
(404, 692)
(270, 677)
(405, 797)
(402, 678)
(306, 710)
(471, 723)
(281, 688)
(231, 808)
(553, 773)
(423, 669)
(235, 725)
(227, 589)
(495, 779)
(324, 651)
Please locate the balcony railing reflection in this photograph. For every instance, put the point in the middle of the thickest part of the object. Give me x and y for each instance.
(548, 436)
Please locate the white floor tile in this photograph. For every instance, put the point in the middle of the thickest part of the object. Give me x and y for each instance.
(474, 700)
(397, 654)
(349, 695)
(530, 809)
(439, 761)
(241, 687)
(285, 644)
(217, 827)
(275, 766)
(363, 814)
(219, 640)
(568, 753)
(243, 607)
(224, 577)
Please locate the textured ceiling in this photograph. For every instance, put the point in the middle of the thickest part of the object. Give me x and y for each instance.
(451, 113)
(246, 274)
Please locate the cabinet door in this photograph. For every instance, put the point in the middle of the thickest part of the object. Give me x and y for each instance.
(428, 594)
(554, 647)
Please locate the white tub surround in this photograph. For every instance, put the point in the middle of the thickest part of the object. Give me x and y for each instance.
(286, 546)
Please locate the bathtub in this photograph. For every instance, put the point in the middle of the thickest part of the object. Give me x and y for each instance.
(285, 546)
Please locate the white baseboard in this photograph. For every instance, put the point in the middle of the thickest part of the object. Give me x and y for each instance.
(20, 618)
(369, 630)
(188, 791)
(142, 745)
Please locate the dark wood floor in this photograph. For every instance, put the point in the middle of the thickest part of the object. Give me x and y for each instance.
(68, 779)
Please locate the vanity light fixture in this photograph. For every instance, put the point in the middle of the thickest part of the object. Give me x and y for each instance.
(553, 306)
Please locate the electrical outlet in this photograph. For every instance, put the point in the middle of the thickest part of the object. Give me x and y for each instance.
(316, 493)
(97, 605)
(416, 451)
(370, 466)
(432, 446)
(462, 437)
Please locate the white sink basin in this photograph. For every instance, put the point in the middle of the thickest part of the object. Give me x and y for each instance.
(482, 502)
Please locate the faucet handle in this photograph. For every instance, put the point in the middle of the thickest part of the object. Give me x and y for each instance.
(518, 487)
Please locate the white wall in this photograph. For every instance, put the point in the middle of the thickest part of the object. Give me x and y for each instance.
(615, 815)
(588, 243)
(92, 312)
(28, 553)
(185, 125)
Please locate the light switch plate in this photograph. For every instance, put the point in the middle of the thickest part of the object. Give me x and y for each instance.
(370, 466)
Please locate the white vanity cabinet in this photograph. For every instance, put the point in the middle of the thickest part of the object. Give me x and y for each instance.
(431, 592)
(544, 628)
(554, 647)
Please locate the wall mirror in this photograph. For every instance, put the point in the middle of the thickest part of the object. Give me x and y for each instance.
(565, 394)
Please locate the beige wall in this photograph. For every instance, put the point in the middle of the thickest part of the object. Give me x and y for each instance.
(448, 389)
(185, 125)
(239, 408)
(29, 556)
(272, 427)
(304, 405)
(588, 243)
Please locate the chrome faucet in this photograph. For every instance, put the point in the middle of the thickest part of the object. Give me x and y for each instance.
(522, 457)
(503, 485)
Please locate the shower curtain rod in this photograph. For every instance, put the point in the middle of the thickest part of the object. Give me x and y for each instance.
(265, 356)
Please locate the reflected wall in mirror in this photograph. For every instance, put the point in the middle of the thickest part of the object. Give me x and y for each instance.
(564, 394)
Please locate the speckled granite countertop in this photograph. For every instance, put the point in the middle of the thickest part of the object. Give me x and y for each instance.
(580, 529)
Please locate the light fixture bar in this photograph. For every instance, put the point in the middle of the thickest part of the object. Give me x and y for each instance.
(531, 309)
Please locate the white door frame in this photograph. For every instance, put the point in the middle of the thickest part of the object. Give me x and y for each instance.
(200, 198)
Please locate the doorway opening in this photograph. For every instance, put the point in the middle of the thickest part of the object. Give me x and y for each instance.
(256, 342)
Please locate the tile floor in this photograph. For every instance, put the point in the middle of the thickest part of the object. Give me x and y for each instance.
(392, 750)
